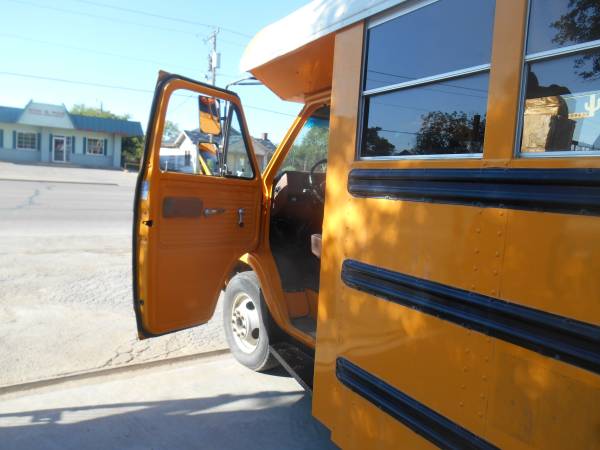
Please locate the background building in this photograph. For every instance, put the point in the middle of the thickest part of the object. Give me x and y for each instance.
(49, 134)
(179, 155)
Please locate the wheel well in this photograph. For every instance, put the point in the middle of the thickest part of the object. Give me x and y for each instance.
(240, 266)
(275, 332)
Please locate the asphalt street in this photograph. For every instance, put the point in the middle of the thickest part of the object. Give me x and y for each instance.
(65, 276)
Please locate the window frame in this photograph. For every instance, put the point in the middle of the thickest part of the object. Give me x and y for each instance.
(69, 143)
(545, 55)
(232, 110)
(34, 148)
(398, 11)
(87, 146)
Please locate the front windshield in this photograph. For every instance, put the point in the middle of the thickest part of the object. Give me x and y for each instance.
(310, 146)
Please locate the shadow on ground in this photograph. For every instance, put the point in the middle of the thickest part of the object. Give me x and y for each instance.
(267, 420)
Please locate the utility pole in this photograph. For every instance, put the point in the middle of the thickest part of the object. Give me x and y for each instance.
(214, 58)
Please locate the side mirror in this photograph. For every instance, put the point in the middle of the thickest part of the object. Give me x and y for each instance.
(210, 122)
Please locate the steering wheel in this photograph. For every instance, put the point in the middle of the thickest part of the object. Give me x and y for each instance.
(318, 190)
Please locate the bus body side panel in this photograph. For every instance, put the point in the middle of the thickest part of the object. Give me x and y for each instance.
(390, 372)
(327, 393)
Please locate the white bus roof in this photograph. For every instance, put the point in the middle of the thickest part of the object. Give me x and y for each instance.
(305, 25)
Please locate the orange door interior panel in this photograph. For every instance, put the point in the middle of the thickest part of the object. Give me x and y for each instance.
(184, 262)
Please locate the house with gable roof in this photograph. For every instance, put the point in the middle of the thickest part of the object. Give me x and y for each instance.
(179, 155)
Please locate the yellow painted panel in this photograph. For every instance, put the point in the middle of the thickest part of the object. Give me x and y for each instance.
(505, 79)
(344, 99)
(188, 258)
(456, 245)
(538, 402)
(297, 75)
(363, 426)
(552, 263)
(439, 364)
(297, 304)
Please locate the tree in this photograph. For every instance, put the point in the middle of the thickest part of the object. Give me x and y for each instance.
(581, 24)
(443, 132)
(308, 151)
(132, 148)
(92, 111)
(171, 131)
(376, 145)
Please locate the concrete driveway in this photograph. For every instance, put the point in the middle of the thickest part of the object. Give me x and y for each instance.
(212, 403)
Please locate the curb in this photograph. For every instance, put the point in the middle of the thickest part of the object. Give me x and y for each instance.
(98, 183)
(89, 374)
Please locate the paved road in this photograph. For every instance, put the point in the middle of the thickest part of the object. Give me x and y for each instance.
(65, 277)
(211, 404)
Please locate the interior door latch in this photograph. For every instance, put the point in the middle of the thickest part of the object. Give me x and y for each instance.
(213, 211)
(241, 217)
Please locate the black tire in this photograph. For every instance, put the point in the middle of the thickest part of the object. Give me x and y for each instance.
(260, 359)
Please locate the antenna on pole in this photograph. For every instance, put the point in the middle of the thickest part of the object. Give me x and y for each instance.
(214, 58)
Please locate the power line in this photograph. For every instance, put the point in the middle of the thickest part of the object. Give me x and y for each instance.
(83, 83)
(161, 16)
(105, 53)
(98, 52)
(269, 110)
(110, 19)
(113, 86)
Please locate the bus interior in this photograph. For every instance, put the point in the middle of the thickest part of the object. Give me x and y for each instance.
(296, 220)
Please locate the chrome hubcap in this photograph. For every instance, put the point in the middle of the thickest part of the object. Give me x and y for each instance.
(245, 323)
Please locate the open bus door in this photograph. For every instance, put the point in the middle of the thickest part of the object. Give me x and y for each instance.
(190, 227)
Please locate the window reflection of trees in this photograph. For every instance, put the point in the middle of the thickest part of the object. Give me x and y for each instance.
(581, 24)
(444, 132)
(440, 133)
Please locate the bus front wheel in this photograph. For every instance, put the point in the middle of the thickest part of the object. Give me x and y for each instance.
(244, 325)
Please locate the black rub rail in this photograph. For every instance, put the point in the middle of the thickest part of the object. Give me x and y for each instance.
(421, 419)
(570, 341)
(569, 191)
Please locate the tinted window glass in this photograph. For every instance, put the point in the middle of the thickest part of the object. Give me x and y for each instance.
(444, 36)
(562, 105)
(190, 146)
(310, 145)
(559, 23)
(237, 159)
(439, 118)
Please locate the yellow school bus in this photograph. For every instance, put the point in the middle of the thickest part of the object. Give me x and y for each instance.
(423, 248)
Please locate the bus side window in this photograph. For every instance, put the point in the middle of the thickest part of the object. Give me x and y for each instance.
(561, 105)
(426, 88)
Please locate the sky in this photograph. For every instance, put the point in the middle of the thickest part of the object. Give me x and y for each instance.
(108, 53)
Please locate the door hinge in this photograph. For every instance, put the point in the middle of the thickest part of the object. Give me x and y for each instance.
(148, 223)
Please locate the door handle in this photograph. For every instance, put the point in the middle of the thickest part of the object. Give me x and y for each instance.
(241, 212)
(213, 211)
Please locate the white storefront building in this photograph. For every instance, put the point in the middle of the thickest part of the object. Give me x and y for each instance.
(49, 134)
